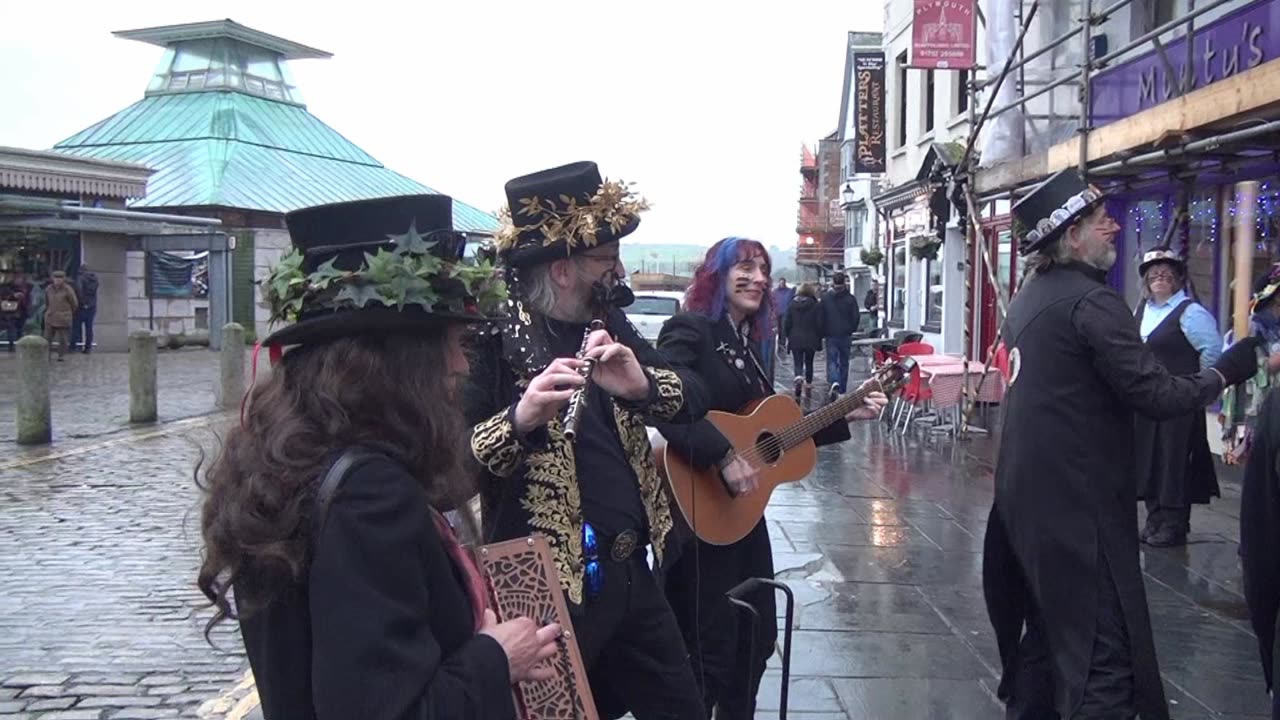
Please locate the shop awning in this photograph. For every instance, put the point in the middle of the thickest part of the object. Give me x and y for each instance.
(54, 172)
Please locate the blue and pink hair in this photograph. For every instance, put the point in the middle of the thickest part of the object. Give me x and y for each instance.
(708, 296)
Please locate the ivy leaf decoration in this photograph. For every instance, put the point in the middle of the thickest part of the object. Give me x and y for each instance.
(359, 294)
(325, 275)
(411, 243)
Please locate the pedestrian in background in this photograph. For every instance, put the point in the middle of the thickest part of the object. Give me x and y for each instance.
(782, 296)
(839, 316)
(87, 293)
(802, 327)
(60, 311)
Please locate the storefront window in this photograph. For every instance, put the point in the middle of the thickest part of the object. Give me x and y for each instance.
(933, 293)
(898, 311)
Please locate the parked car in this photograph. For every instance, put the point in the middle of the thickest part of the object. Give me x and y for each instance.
(651, 309)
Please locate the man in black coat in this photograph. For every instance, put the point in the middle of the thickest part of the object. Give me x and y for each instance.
(1061, 549)
(839, 314)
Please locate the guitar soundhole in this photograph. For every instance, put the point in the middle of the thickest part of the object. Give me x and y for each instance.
(770, 447)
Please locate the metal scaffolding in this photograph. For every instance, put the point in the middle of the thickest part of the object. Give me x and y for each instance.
(1226, 147)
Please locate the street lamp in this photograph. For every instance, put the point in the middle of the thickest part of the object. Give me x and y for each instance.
(847, 195)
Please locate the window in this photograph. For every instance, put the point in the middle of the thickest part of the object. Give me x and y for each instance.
(902, 99)
(654, 305)
(928, 100)
(898, 312)
(933, 293)
(962, 91)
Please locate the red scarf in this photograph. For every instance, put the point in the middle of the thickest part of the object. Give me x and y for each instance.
(464, 561)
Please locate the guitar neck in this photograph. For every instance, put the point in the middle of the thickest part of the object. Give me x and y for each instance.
(814, 422)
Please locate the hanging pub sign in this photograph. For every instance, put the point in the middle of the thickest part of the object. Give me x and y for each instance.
(944, 34)
(869, 145)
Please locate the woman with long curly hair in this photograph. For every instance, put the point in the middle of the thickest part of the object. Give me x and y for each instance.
(727, 316)
(322, 518)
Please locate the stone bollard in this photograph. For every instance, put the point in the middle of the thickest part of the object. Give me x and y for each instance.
(231, 361)
(142, 377)
(35, 426)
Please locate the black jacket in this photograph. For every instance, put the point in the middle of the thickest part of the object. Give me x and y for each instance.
(1260, 537)
(839, 311)
(711, 350)
(382, 628)
(802, 324)
(530, 483)
(1065, 485)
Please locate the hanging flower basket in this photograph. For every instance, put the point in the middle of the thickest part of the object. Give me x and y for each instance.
(925, 247)
(872, 257)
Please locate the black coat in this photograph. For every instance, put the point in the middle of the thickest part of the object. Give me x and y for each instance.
(1175, 464)
(382, 628)
(1064, 485)
(803, 324)
(711, 351)
(840, 315)
(1260, 537)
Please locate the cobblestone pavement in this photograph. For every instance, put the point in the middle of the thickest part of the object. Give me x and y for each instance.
(881, 544)
(99, 616)
(90, 393)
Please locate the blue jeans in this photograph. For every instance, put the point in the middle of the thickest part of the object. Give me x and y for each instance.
(838, 361)
(82, 327)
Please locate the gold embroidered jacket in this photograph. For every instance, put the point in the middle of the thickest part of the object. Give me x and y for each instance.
(529, 484)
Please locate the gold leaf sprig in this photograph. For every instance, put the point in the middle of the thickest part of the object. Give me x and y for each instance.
(566, 219)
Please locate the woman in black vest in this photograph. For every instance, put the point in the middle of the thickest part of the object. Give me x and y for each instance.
(1174, 463)
(354, 598)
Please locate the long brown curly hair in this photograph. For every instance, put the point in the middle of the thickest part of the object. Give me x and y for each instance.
(388, 393)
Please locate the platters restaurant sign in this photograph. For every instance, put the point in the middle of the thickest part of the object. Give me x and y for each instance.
(1237, 42)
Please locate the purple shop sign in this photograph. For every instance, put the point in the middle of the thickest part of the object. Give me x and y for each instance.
(1236, 42)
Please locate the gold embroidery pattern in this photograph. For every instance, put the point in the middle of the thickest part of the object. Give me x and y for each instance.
(635, 441)
(494, 445)
(670, 394)
(555, 507)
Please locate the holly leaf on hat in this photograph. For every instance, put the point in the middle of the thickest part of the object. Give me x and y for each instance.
(380, 268)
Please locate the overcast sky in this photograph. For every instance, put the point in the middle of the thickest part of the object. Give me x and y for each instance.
(702, 103)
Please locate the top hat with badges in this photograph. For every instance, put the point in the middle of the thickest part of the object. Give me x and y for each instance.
(1046, 213)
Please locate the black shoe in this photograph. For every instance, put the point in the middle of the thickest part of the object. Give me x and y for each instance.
(1167, 537)
(834, 393)
(85, 351)
(1147, 530)
(799, 385)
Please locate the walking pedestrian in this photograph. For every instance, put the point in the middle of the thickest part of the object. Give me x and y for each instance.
(802, 327)
(718, 337)
(354, 597)
(87, 292)
(840, 317)
(60, 310)
(1061, 573)
(11, 305)
(782, 296)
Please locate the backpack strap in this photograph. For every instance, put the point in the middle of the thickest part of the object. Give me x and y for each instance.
(349, 460)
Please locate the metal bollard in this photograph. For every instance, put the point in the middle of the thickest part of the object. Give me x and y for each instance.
(231, 363)
(35, 425)
(142, 377)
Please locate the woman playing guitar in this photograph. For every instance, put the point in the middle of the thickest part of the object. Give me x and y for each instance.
(728, 311)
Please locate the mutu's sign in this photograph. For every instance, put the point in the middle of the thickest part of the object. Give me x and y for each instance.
(1237, 42)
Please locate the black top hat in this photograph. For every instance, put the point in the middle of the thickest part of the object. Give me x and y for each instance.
(1162, 254)
(385, 265)
(553, 213)
(1052, 207)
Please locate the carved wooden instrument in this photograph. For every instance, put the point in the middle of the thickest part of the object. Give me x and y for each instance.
(522, 582)
(776, 437)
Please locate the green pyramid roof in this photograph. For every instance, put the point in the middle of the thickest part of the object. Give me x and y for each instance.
(231, 149)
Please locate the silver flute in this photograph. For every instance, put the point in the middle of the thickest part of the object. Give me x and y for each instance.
(573, 411)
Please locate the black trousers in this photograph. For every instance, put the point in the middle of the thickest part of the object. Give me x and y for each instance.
(635, 657)
(717, 632)
(1109, 690)
(803, 361)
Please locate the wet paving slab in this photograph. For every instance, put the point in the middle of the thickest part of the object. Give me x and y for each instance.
(881, 546)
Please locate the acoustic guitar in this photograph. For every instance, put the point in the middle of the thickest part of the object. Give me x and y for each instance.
(773, 435)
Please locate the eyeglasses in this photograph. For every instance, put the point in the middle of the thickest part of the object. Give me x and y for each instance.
(1160, 276)
(591, 553)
